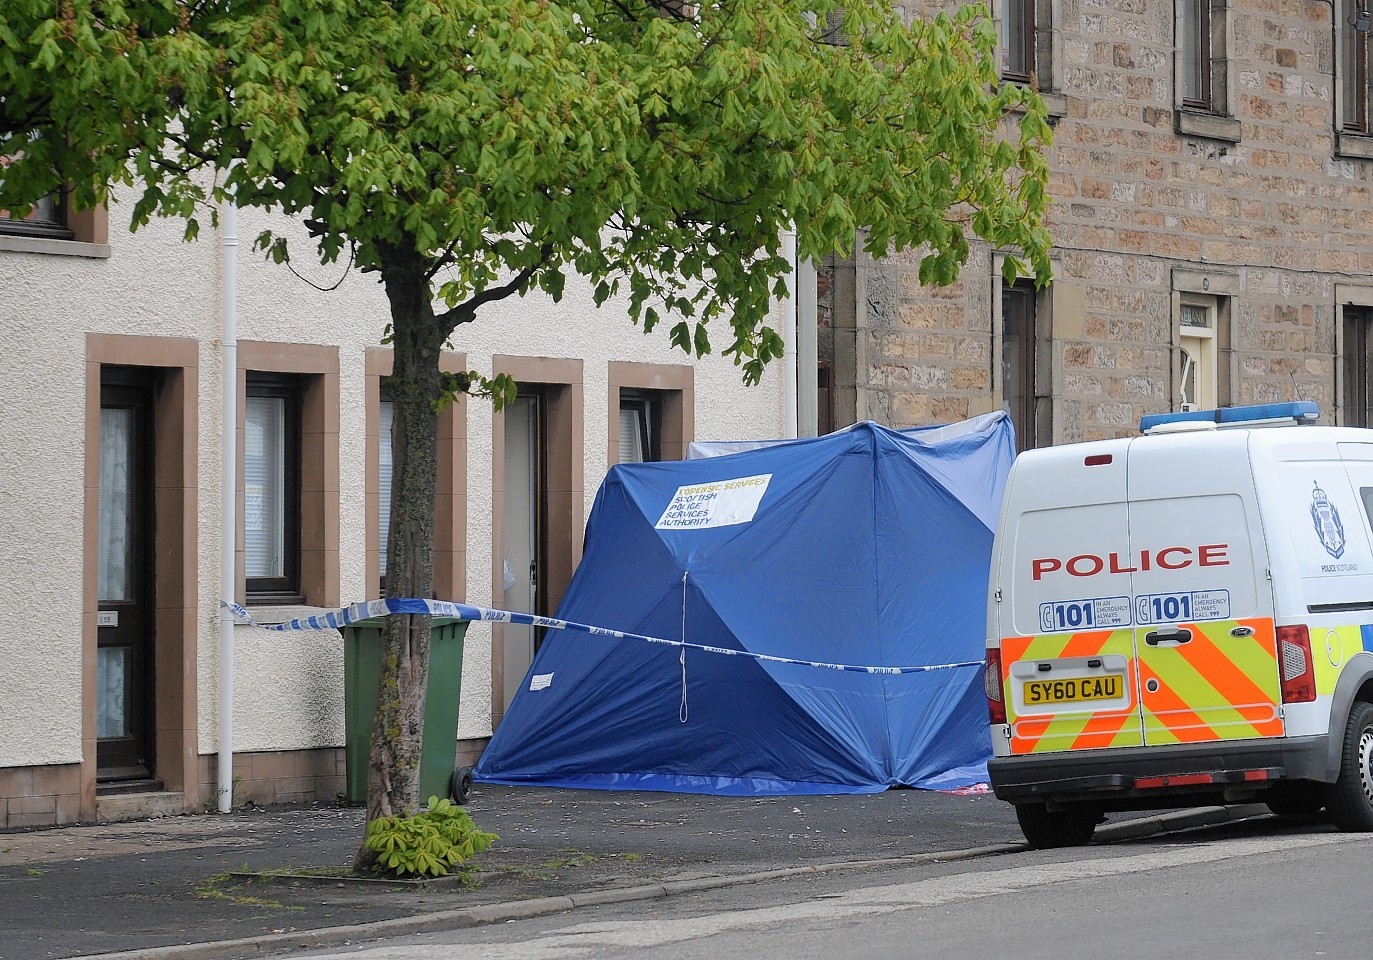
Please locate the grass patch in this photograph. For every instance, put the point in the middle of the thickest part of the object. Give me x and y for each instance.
(213, 889)
(572, 860)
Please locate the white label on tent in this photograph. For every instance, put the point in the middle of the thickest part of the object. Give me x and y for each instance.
(719, 504)
(541, 681)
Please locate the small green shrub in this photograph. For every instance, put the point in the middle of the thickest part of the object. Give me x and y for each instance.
(428, 843)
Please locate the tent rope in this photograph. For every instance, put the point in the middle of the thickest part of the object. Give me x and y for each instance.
(682, 710)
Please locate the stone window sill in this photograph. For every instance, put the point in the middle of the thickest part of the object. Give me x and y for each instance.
(1055, 105)
(1354, 145)
(1208, 125)
(59, 248)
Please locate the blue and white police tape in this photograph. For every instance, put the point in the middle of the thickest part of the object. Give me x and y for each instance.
(462, 611)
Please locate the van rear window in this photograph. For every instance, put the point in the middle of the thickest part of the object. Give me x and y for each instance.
(1366, 495)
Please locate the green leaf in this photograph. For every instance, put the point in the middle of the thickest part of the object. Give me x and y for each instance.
(681, 337)
(702, 340)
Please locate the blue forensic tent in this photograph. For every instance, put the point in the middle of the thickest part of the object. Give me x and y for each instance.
(865, 547)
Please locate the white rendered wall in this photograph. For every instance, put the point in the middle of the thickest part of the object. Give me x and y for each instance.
(288, 686)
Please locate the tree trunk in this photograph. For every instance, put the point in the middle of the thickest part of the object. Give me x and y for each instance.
(414, 389)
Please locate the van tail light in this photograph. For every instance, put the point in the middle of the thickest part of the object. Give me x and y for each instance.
(991, 682)
(1294, 662)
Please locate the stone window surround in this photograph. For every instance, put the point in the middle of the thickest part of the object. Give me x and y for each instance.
(1048, 347)
(1346, 295)
(1021, 355)
(176, 439)
(1219, 123)
(1048, 49)
(1221, 285)
(319, 490)
(676, 386)
(1348, 143)
(450, 513)
(1204, 342)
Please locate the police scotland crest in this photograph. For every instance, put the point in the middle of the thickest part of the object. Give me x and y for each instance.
(1326, 518)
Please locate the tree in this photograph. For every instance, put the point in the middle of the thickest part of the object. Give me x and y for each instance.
(471, 150)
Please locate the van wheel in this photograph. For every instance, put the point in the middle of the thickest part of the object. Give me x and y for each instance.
(1350, 798)
(1297, 798)
(1046, 829)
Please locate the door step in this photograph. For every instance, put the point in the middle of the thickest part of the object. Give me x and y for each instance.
(110, 788)
(117, 807)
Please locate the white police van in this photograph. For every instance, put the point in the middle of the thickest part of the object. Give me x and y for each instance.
(1185, 618)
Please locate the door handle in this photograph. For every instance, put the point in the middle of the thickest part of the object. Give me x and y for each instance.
(1178, 636)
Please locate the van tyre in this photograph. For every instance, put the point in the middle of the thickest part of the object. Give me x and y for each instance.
(1046, 829)
(1350, 798)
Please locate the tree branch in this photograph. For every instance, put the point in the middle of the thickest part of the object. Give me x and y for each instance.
(466, 312)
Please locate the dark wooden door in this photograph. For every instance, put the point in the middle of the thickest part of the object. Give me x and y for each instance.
(124, 701)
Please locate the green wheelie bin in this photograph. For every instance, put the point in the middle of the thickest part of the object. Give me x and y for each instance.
(361, 675)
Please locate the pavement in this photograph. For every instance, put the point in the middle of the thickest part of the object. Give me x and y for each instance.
(224, 886)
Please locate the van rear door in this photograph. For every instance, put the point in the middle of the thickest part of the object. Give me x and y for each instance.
(1065, 631)
(1203, 605)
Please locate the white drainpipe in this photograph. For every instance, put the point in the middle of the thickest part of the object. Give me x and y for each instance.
(789, 334)
(807, 349)
(228, 535)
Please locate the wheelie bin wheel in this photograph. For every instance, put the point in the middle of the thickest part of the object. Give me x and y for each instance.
(460, 787)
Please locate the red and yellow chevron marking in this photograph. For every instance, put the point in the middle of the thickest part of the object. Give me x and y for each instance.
(1217, 687)
(1079, 730)
(1071, 729)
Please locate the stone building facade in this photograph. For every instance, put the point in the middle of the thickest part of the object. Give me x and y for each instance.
(1212, 215)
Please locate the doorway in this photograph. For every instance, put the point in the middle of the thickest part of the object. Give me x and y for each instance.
(126, 617)
(523, 566)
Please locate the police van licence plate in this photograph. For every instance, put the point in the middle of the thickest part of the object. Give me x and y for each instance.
(1081, 690)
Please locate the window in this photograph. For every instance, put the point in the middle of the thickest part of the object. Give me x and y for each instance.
(824, 398)
(1018, 361)
(1200, 73)
(1354, 33)
(1366, 495)
(48, 218)
(651, 412)
(271, 489)
(289, 523)
(1026, 37)
(1197, 354)
(1195, 53)
(1018, 40)
(1356, 408)
(54, 225)
(450, 495)
(641, 427)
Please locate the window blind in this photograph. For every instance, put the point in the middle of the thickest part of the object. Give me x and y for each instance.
(264, 487)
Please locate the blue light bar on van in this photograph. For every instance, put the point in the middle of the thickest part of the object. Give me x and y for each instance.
(1262, 414)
